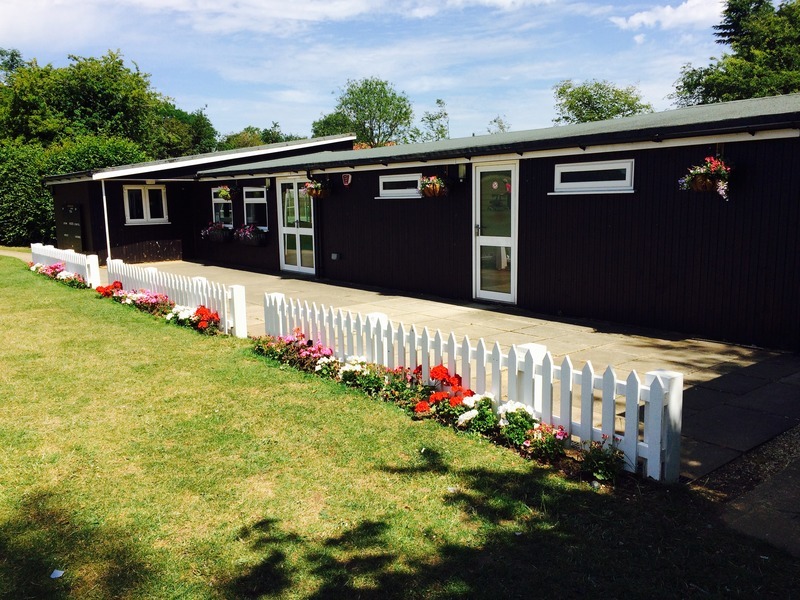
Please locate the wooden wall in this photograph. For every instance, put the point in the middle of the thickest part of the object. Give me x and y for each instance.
(418, 245)
(675, 260)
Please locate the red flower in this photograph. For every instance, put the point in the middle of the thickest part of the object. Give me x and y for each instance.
(422, 407)
(440, 372)
(453, 380)
(438, 397)
(456, 400)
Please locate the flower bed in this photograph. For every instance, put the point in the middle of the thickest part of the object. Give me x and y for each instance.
(58, 272)
(201, 318)
(446, 400)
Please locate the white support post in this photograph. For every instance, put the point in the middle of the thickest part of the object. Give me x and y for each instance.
(672, 422)
(238, 311)
(274, 304)
(92, 271)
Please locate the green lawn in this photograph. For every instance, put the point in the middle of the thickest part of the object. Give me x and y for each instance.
(147, 461)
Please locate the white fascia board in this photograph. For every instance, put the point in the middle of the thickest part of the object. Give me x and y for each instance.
(138, 170)
(556, 152)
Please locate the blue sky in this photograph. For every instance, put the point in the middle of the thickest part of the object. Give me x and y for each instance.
(252, 62)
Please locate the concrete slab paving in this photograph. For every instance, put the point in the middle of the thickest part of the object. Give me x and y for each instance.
(733, 427)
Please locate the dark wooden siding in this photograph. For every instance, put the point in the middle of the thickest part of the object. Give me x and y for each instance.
(198, 214)
(671, 259)
(419, 245)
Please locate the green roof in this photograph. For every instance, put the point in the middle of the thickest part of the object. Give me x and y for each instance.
(776, 112)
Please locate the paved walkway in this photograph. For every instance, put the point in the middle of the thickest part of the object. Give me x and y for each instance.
(735, 398)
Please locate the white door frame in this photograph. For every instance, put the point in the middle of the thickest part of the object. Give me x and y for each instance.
(506, 244)
(295, 229)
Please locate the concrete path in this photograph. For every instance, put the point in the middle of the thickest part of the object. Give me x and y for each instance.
(735, 397)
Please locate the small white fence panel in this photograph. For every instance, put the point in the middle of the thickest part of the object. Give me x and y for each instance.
(87, 266)
(642, 417)
(227, 301)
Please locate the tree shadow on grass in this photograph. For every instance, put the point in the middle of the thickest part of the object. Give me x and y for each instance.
(44, 535)
(542, 537)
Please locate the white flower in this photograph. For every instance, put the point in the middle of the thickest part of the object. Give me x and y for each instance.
(471, 401)
(65, 275)
(467, 416)
(511, 406)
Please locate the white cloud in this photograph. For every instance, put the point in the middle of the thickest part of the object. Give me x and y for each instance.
(688, 14)
(639, 39)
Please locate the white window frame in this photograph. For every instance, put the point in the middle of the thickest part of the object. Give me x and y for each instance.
(403, 193)
(594, 187)
(262, 200)
(145, 190)
(215, 199)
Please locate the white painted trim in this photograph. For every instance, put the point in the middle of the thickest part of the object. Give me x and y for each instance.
(202, 160)
(514, 156)
(402, 193)
(478, 240)
(296, 182)
(262, 200)
(582, 187)
(145, 205)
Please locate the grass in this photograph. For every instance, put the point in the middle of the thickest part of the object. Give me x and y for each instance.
(147, 461)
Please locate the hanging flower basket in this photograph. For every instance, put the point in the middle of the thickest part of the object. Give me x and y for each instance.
(711, 176)
(432, 186)
(315, 189)
(703, 183)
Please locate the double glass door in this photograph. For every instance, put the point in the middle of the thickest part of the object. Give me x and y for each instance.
(297, 226)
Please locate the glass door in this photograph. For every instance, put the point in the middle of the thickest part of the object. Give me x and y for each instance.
(495, 221)
(296, 227)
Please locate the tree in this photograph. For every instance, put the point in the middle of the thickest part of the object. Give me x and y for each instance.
(435, 125)
(10, 61)
(334, 123)
(765, 57)
(252, 136)
(176, 132)
(274, 135)
(26, 206)
(498, 125)
(596, 100)
(378, 113)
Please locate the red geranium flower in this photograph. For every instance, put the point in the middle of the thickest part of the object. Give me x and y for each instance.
(422, 407)
(440, 372)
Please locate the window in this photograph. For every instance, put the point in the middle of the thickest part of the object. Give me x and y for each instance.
(255, 207)
(400, 186)
(594, 177)
(145, 204)
(222, 207)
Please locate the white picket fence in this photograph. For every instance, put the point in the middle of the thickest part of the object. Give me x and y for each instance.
(87, 267)
(643, 417)
(228, 301)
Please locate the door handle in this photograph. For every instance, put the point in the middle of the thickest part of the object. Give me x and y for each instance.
(478, 230)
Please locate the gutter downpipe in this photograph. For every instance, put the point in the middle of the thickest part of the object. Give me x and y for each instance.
(105, 220)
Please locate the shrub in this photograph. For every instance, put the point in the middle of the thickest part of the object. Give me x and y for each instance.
(545, 442)
(601, 460)
(518, 423)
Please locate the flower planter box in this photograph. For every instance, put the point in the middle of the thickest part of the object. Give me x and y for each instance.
(221, 236)
(256, 239)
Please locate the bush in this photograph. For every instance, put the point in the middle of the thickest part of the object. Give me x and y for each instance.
(26, 205)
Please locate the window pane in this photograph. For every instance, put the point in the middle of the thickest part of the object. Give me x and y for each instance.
(593, 175)
(135, 205)
(495, 203)
(156, 203)
(407, 184)
(223, 213)
(256, 213)
(254, 194)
